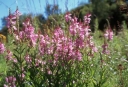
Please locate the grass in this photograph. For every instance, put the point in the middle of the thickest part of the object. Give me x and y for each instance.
(3, 69)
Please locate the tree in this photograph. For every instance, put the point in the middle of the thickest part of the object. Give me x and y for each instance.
(3, 21)
(52, 9)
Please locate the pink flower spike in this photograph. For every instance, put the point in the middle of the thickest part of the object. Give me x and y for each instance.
(17, 13)
(105, 49)
(11, 17)
(9, 55)
(11, 20)
(21, 34)
(68, 17)
(28, 59)
(87, 18)
(94, 49)
(33, 39)
(108, 34)
(2, 48)
(10, 81)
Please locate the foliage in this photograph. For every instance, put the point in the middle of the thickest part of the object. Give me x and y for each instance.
(114, 11)
(52, 9)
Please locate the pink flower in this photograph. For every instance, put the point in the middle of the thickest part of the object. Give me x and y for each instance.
(33, 39)
(11, 17)
(22, 76)
(50, 50)
(105, 49)
(29, 30)
(14, 60)
(58, 33)
(73, 29)
(10, 81)
(26, 23)
(16, 37)
(9, 55)
(2, 48)
(39, 61)
(74, 55)
(11, 21)
(49, 71)
(17, 13)
(87, 18)
(78, 55)
(43, 44)
(79, 43)
(87, 31)
(68, 17)
(90, 44)
(28, 59)
(94, 49)
(21, 34)
(109, 34)
(74, 20)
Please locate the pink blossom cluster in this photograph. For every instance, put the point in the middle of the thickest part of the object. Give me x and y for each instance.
(68, 47)
(22, 74)
(68, 16)
(39, 62)
(60, 46)
(90, 44)
(81, 32)
(65, 46)
(28, 59)
(12, 20)
(105, 48)
(27, 32)
(87, 18)
(9, 57)
(2, 48)
(108, 34)
(10, 80)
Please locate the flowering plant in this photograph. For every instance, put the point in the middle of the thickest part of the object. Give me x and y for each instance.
(64, 58)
